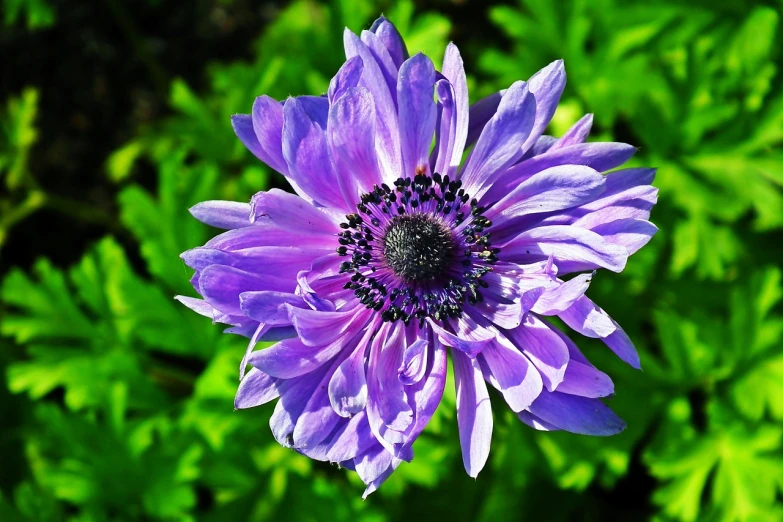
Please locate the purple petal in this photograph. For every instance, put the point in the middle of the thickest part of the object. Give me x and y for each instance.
(621, 345)
(598, 156)
(468, 337)
(587, 318)
(351, 134)
(573, 249)
(543, 347)
(454, 72)
(267, 233)
(221, 285)
(536, 423)
(316, 328)
(291, 358)
(558, 298)
(294, 395)
(346, 78)
(290, 259)
(414, 363)
(348, 385)
(269, 307)
(306, 153)
(227, 215)
(556, 188)
(417, 114)
(442, 154)
(318, 419)
(577, 414)
(388, 135)
(289, 211)
(391, 39)
(586, 381)
(267, 123)
(632, 234)
(500, 143)
(480, 113)
(424, 396)
(255, 389)
(474, 413)
(547, 86)
(578, 133)
(384, 61)
(511, 373)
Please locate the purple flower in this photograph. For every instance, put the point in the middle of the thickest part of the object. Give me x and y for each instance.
(394, 252)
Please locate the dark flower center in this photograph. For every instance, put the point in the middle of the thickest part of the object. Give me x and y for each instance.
(418, 247)
(418, 250)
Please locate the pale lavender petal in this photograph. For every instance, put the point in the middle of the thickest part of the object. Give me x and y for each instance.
(288, 211)
(474, 413)
(619, 342)
(388, 34)
(348, 385)
(556, 188)
(536, 423)
(269, 307)
(632, 234)
(383, 59)
(547, 86)
(414, 362)
(446, 129)
(317, 328)
(424, 396)
(267, 124)
(346, 78)
(480, 113)
(221, 285)
(511, 373)
(467, 337)
(268, 233)
(501, 140)
(351, 135)
(559, 297)
(543, 347)
(415, 87)
(291, 358)
(318, 420)
(598, 156)
(587, 318)
(255, 389)
(227, 215)
(306, 153)
(578, 133)
(586, 381)
(573, 249)
(454, 72)
(388, 135)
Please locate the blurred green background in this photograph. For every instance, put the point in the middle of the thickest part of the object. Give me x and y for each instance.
(116, 402)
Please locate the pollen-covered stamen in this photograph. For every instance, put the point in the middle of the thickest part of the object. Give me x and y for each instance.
(418, 250)
(418, 247)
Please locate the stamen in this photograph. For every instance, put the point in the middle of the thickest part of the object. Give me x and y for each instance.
(420, 251)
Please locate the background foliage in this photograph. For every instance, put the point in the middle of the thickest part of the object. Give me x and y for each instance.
(116, 403)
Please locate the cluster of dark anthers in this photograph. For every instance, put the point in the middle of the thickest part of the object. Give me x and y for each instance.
(416, 251)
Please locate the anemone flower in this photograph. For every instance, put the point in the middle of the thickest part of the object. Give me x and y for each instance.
(394, 254)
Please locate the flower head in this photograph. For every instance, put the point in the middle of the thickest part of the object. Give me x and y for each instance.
(394, 252)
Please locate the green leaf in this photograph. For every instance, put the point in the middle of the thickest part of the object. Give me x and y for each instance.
(18, 136)
(91, 329)
(745, 466)
(38, 13)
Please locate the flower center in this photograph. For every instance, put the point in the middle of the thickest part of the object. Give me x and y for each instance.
(416, 251)
(418, 247)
